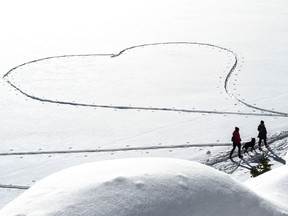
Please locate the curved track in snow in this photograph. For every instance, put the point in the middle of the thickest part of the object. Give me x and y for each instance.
(226, 85)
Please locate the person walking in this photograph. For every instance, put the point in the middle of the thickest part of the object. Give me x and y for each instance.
(236, 142)
(262, 135)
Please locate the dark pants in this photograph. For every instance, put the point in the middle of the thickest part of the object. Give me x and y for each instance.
(260, 140)
(239, 149)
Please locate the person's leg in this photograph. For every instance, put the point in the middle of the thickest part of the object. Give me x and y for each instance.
(239, 150)
(265, 142)
(259, 143)
(234, 146)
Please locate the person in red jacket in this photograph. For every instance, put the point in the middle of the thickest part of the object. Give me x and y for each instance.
(236, 142)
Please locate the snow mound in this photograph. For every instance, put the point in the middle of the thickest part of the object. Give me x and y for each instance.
(272, 185)
(140, 187)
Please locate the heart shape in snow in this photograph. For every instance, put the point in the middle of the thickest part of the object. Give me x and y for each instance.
(163, 76)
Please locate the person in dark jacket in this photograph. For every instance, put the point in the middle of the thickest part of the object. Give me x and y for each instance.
(262, 135)
(236, 142)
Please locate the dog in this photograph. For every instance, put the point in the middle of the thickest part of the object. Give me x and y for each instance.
(249, 144)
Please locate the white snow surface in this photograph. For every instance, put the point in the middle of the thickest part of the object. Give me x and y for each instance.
(84, 81)
(272, 185)
(141, 187)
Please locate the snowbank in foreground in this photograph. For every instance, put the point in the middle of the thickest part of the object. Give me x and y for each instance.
(272, 185)
(140, 187)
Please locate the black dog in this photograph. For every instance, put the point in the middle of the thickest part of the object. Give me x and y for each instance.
(249, 144)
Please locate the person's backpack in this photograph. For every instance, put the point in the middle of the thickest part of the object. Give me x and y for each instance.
(232, 139)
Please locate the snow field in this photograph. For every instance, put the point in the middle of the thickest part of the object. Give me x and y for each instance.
(145, 128)
(255, 31)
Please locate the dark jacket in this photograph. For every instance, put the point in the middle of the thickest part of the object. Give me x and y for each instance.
(262, 131)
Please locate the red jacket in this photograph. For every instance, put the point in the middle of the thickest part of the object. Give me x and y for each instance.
(236, 137)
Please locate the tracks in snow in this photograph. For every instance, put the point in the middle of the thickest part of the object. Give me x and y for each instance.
(10, 186)
(115, 149)
(223, 163)
(226, 85)
(220, 161)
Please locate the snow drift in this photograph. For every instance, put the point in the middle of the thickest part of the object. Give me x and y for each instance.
(272, 185)
(140, 187)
